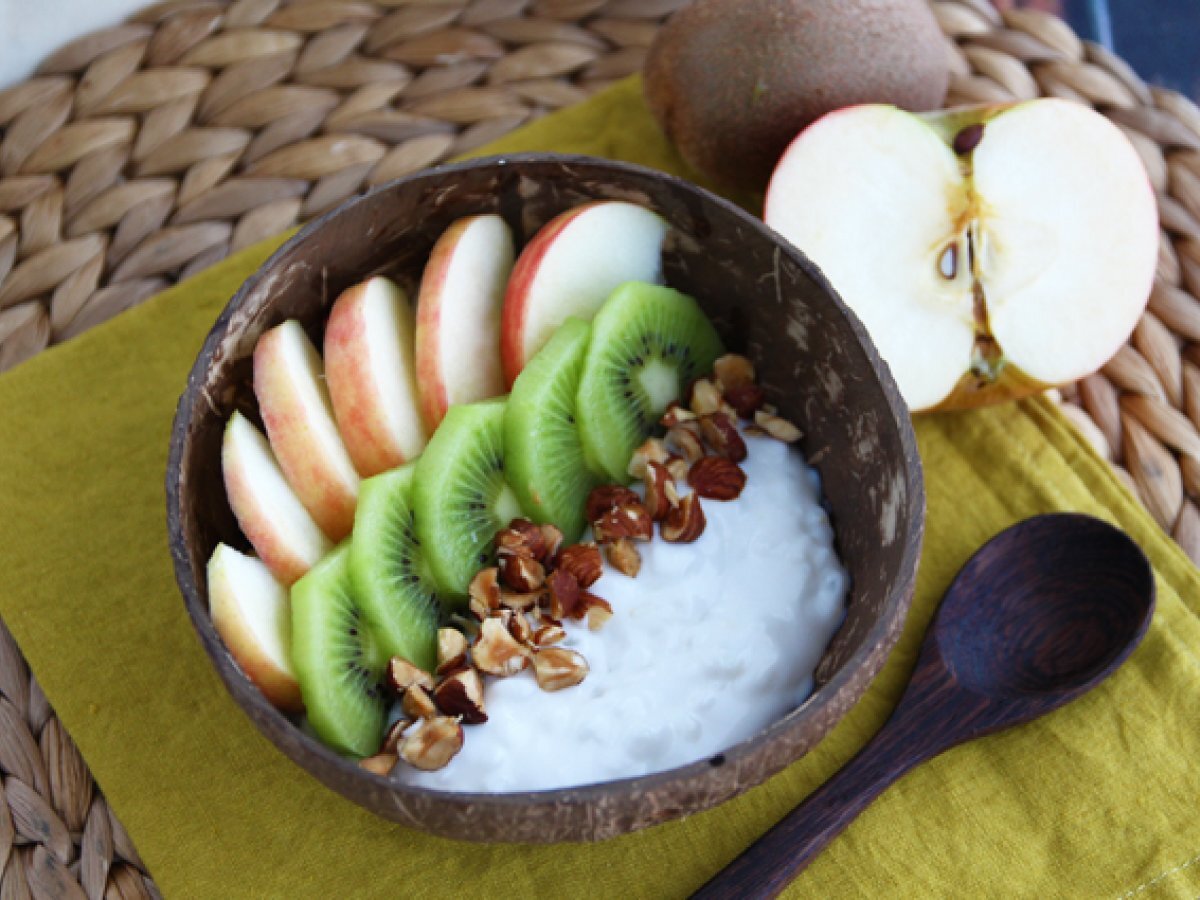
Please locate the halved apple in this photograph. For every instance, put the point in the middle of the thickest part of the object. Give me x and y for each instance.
(458, 315)
(290, 386)
(370, 371)
(250, 611)
(990, 252)
(570, 267)
(270, 514)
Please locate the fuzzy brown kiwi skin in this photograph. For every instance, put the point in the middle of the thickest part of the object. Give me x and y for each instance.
(732, 82)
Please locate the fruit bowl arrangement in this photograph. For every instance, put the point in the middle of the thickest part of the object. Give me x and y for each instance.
(814, 363)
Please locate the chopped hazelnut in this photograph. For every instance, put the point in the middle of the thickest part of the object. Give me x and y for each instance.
(564, 594)
(401, 675)
(653, 450)
(678, 467)
(629, 520)
(391, 737)
(433, 745)
(496, 651)
(686, 440)
(599, 611)
(676, 414)
(624, 557)
(661, 495)
(461, 694)
(706, 398)
(519, 628)
(582, 561)
(517, 601)
(417, 704)
(553, 538)
(484, 592)
(780, 429)
(608, 497)
(733, 370)
(557, 668)
(721, 434)
(451, 649)
(549, 634)
(521, 538)
(379, 764)
(685, 523)
(746, 400)
(521, 573)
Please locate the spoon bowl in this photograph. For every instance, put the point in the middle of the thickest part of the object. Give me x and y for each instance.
(1042, 613)
(1048, 607)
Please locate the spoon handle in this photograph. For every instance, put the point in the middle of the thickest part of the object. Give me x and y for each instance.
(768, 865)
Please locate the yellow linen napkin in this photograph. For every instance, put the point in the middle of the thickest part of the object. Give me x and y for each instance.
(1099, 799)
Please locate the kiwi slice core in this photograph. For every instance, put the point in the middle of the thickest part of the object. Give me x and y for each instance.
(648, 342)
(338, 662)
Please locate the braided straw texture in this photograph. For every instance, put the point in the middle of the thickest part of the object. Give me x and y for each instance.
(143, 153)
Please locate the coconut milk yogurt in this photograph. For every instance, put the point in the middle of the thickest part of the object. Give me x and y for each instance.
(709, 644)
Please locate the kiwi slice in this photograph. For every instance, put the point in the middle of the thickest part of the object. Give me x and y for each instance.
(388, 573)
(543, 457)
(648, 342)
(338, 662)
(460, 494)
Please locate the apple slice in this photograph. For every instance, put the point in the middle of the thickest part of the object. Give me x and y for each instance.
(990, 252)
(370, 371)
(297, 411)
(270, 514)
(570, 267)
(250, 611)
(458, 315)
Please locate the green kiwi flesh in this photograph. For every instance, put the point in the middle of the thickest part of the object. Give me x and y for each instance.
(543, 457)
(648, 342)
(461, 496)
(388, 572)
(338, 662)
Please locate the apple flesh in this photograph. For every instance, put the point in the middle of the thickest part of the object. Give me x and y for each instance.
(294, 402)
(458, 316)
(570, 267)
(270, 514)
(370, 371)
(250, 611)
(990, 252)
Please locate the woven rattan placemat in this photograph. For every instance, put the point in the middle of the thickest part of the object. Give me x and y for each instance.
(143, 153)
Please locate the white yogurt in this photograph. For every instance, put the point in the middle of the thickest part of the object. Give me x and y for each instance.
(709, 644)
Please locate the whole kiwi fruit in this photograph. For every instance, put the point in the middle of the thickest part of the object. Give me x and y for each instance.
(731, 82)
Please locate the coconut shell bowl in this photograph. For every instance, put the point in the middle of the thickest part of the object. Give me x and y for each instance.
(768, 301)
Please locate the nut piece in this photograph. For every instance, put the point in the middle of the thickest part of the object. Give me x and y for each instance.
(391, 737)
(733, 370)
(521, 538)
(745, 399)
(513, 600)
(607, 497)
(630, 520)
(676, 415)
(549, 634)
(678, 467)
(686, 440)
(380, 763)
(451, 649)
(564, 594)
(557, 668)
(722, 435)
(401, 675)
(521, 573)
(706, 399)
(484, 591)
(582, 561)
(519, 628)
(417, 704)
(623, 557)
(717, 478)
(461, 694)
(685, 523)
(780, 429)
(653, 450)
(599, 611)
(496, 651)
(434, 745)
(661, 496)
(553, 538)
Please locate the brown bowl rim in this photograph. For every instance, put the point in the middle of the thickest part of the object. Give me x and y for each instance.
(279, 729)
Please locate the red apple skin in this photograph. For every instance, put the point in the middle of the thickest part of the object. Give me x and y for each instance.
(325, 482)
(357, 399)
(430, 366)
(513, 318)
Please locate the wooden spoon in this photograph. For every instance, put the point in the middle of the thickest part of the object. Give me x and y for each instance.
(1043, 613)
